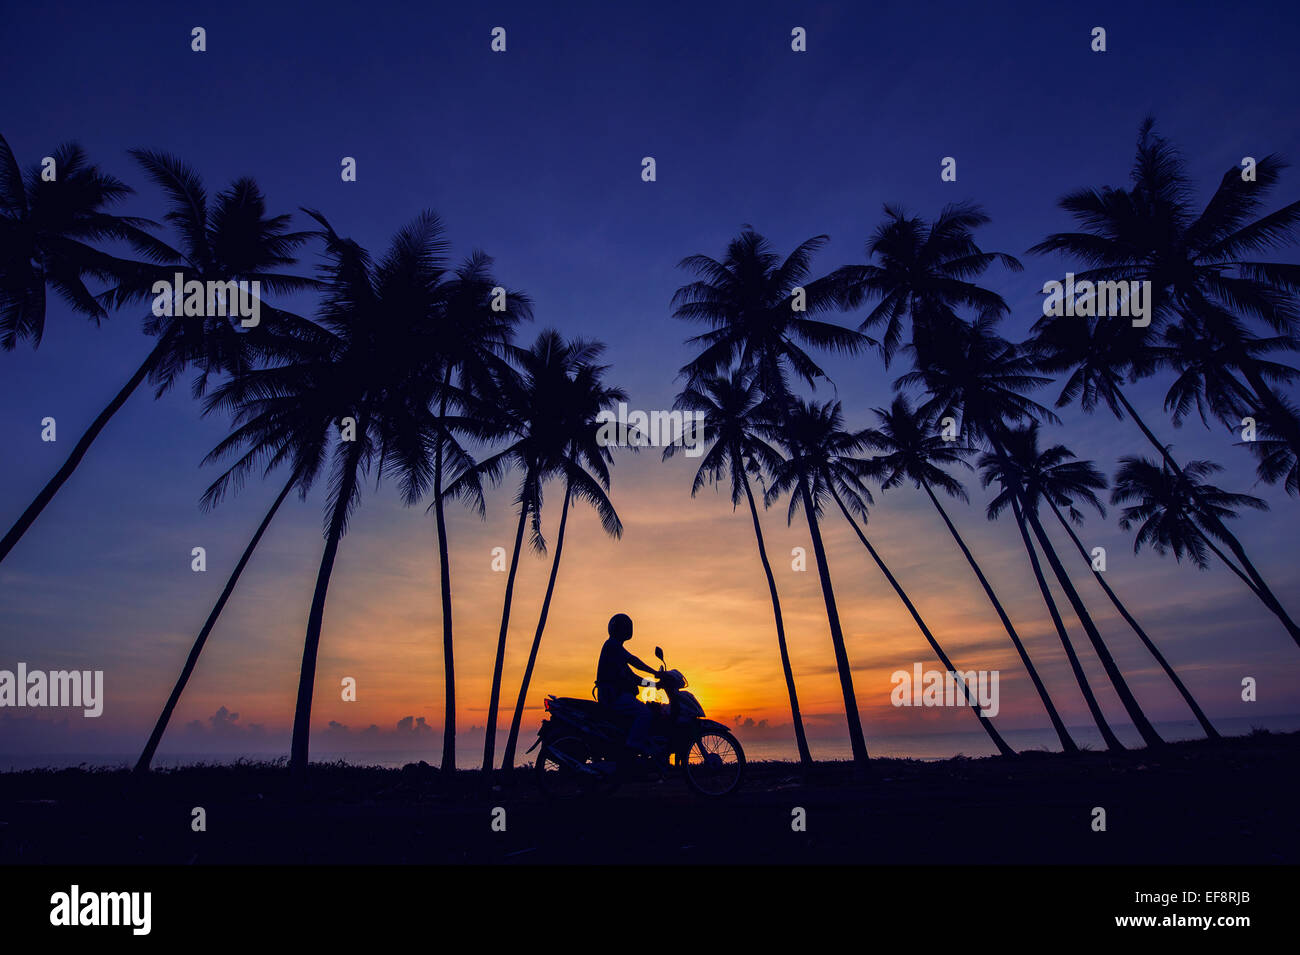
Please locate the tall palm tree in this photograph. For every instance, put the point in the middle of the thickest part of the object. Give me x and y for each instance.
(735, 411)
(584, 463)
(925, 273)
(1199, 263)
(1030, 475)
(1179, 512)
(909, 447)
(231, 240)
(835, 466)
(798, 432)
(270, 440)
(378, 316)
(533, 405)
(1099, 352)
(453, 401)
(757, 306)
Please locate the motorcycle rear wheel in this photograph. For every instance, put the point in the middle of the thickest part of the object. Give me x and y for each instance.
(714, 765)
(558, 780)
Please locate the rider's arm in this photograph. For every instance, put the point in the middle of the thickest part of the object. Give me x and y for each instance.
(638, 664)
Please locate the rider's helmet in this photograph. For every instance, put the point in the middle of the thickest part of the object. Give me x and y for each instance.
(620, 627)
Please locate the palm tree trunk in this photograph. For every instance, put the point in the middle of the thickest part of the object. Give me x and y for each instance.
(985, 722)
(1260, 587)
(78, 452)
(490, 744)
(1201, 718)
(857, 742)
(800, 739)
(1140, 721)
(1107, 735)
(146, 757)
(508, 757)
(1067, 744)
(444, 582)
(316, 617)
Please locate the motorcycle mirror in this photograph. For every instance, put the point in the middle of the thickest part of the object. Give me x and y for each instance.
(659, 652)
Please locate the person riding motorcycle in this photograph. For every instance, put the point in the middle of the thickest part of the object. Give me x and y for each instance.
(617, 685)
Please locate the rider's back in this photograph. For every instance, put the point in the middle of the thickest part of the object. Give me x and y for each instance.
(613, 675)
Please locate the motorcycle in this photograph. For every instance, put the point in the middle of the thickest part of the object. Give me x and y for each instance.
(583, 744)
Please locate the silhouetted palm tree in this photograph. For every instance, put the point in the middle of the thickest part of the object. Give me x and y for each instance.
(1195, 261)
(756, 304)
(584, 464)
(1030, 475)
(282, 429)
(800, 429)
(914, 450)
(533, 405)
(379, 318)
(230, 240)
(836, 467)
(1179, 511)
(734, 411)
(924, 273)
(456, 398)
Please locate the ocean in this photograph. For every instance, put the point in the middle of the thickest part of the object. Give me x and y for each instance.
(928, 746)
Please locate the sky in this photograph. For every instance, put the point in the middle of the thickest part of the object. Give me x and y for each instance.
(535, 155)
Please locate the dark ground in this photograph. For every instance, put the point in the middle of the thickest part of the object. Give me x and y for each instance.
(1200, 802)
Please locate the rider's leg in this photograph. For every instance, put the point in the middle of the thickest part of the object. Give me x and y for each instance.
(639, 736)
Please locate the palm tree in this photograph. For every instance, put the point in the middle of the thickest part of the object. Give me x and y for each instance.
(913, 450)
(1030, 475)
(533, 406)
(925, 273)
(756, 305)
(798, 432)
(378, 319)
(273, 443)
(1099, 352)
(1197, 262)
(230, 241)
(1179, 511)
(453, 399)
(735, 411)
(585, 465)
(835, 466)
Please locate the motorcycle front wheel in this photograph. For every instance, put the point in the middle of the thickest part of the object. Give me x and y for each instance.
(715, 764)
